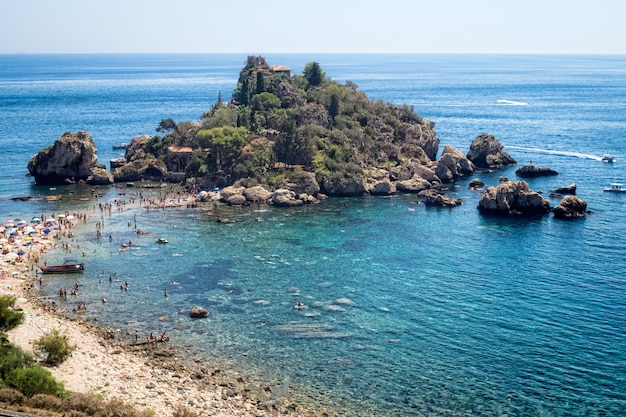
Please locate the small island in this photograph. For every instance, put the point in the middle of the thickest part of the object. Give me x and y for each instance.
(289, 140)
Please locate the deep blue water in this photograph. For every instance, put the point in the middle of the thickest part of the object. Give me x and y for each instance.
(425, 312)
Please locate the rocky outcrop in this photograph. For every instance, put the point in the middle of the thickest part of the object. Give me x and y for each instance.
(285, 198)
(475, 184)
(571, 207)
(512, 198)
(434, 198)
(149, 168)
(233, 195)
(71, 158)
(100, 176)
(198, 313)
(300, 182)
(486, 152)
(568, 189)
(383, 187)
(453, 164)
(341, 187)
(533, 171)
(257, 194)
(413, 185)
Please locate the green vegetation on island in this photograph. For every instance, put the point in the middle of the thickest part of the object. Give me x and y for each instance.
(277, 122)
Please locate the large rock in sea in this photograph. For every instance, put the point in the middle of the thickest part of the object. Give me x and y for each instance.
(285, 198)
(486, 152)
(452, 164)
(513, 198)
(566, 189)
(71, 158)
(571, 207)
(198, 313)
(533, 171)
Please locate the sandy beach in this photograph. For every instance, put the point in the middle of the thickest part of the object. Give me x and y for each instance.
(147, 377)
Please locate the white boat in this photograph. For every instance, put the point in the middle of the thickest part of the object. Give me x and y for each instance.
(615, 188)
(608, 158)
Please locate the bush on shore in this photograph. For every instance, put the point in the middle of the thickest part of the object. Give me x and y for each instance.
(55, 345)
(9, 318)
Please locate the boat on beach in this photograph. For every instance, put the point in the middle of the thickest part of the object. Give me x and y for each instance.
(68, 267)
(615, 188)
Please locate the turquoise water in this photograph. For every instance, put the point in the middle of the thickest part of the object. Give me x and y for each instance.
(425, 312)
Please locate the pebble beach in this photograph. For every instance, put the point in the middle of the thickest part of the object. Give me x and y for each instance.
(147, 376)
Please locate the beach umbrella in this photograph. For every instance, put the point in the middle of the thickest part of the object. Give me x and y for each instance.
(70, 217)
(35, 220)
(21, 253)
(21, 223)
(4, 240)
(46, 230)
(61, 216)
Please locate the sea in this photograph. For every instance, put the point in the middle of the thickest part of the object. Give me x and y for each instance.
(368, 306)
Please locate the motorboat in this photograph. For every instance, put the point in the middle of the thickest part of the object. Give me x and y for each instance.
(68, 267)
(161, 240)
(615, 188)
(608, 159)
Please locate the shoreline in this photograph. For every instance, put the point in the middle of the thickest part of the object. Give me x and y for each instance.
(149, 377)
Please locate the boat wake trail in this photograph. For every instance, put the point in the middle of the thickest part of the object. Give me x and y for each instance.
(512, 103)
(562, 153)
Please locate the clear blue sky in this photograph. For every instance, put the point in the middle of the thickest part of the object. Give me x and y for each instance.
(266, 26)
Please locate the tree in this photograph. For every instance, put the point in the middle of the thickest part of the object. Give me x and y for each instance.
(313, 73)
(333, 106)
(56, 345)
(224, 144)
(166, 125)
(9, 318)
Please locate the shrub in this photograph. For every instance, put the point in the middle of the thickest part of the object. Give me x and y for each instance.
(12, 357)
(9, 318)
(45, 401)
(83, 402)
(182, 411)
(34, 380)
(57, 347)
(11, 396)
(118, 408)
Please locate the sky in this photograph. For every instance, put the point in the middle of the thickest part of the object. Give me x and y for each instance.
(313, 26)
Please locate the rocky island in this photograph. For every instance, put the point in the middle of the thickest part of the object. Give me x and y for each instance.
(289, 140)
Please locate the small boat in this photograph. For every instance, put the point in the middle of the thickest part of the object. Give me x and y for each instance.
(160, 240)
(608, 159)
(615, 188)
(68, 267)
(120, 146)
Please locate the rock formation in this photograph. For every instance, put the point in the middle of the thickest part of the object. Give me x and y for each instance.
(571, 207)
(475, 184)
(198, 313)
(486, 152)
(453, 164)
(533, 171)
(434, 198)
(513, 198)
(568, 189)
(71, 158)
(100, 176)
